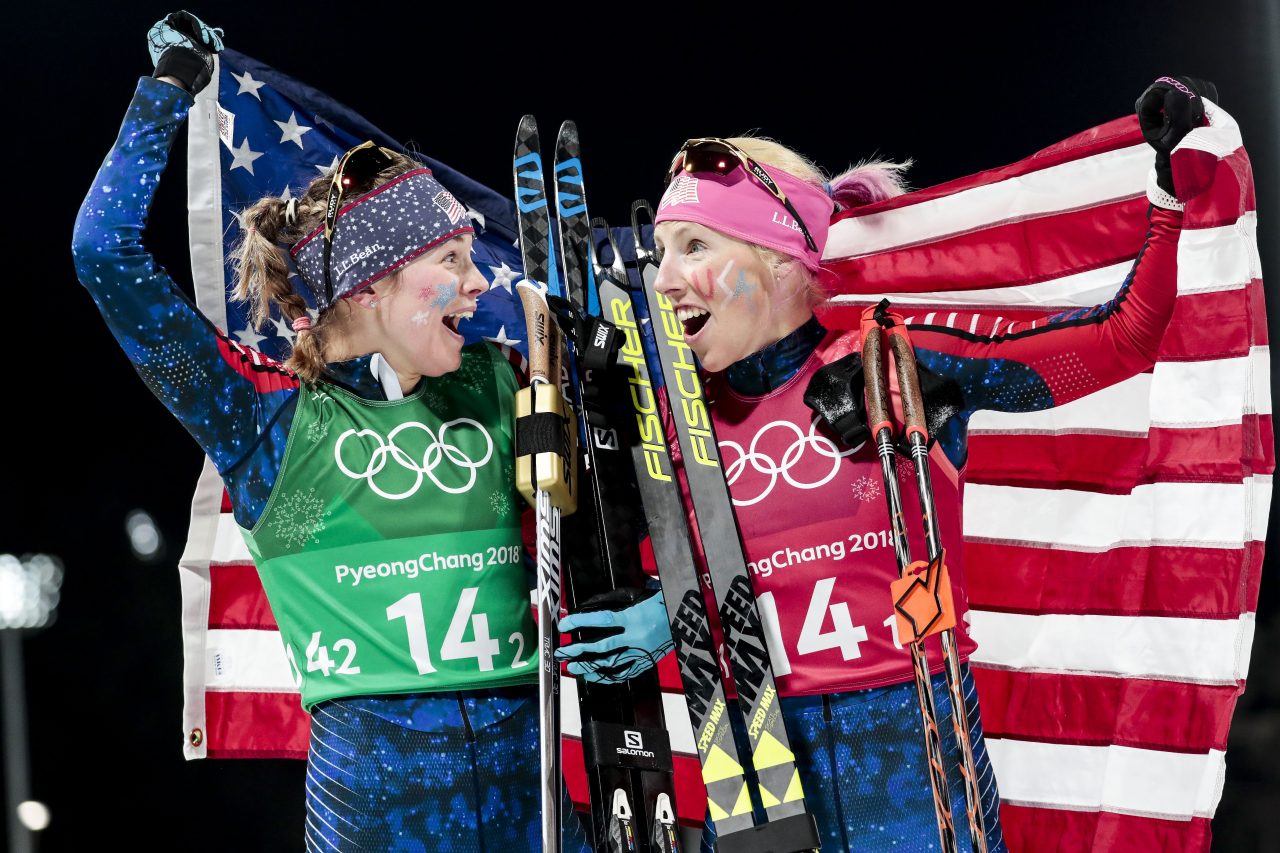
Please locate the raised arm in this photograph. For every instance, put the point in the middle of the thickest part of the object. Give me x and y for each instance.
(1016, 367)
(226, 396)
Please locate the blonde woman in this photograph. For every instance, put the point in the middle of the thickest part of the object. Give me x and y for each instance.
(741, 264)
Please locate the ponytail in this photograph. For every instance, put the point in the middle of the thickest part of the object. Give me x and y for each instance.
(868, 182)
(262, 279)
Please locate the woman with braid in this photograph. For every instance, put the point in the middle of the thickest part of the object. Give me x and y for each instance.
(396, 582)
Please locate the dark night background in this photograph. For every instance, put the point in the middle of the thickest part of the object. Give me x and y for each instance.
(85, 442)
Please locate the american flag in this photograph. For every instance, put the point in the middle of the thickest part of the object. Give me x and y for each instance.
(1113, 545)
(257, 132)
(1114, 623)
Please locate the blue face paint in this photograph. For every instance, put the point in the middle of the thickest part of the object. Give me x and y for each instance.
(445, 293)
(743, 288)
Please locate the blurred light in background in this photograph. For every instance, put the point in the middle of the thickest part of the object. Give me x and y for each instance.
(28, 590)
(34, 815)
(28, 596)
(144, 536)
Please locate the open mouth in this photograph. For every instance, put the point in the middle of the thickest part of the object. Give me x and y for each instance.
(693, 319)
(451, 321)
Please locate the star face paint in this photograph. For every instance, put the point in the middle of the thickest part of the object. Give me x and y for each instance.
(423, 307)
(440, 295)
(743, 288)
(726, 295)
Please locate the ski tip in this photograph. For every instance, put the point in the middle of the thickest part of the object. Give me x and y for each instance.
(639, 206)
(598, 242)
(569, 130)
(527, 132)
(641, 216)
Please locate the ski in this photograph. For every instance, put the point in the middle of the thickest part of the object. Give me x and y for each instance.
(544, 456)
(723, 774)
(625, 742)
(788, 826)
(663, 838)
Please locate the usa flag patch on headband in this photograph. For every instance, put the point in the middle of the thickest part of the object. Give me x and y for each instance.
(379, 232)
(682, 190)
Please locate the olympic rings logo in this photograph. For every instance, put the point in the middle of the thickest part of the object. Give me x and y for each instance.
(438, 450)
(762, 463)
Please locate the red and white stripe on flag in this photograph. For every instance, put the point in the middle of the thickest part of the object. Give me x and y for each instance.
(1113, 545)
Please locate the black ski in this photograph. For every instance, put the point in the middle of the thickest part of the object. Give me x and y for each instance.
(723, 773)
(789, 826)
(625, 741)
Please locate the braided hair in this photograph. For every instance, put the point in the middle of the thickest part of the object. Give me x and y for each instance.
(261, 265)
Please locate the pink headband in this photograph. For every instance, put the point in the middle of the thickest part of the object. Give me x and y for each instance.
(740, 206)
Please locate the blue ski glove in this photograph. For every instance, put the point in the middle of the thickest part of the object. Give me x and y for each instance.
(628, 633)
(182, 46)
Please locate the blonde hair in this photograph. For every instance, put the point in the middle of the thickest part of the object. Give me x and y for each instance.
(262, 267)
(866, 182)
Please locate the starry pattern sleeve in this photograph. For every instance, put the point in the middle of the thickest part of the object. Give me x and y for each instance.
(1013, 367)
(228, 397)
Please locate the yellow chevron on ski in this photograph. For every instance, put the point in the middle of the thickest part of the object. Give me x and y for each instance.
(768, 799)
(770, 753)
(794, 790)
(716, 812)
(743, 806)
(719, 766)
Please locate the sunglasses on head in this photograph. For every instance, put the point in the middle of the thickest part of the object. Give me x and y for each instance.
(712, 154)
(357, 166)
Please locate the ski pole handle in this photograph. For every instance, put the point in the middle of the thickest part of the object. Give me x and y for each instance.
(542, 332)
(904, 356)
(876, 380)
(546, 437)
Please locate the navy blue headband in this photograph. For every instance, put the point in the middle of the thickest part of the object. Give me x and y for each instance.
(379, 232)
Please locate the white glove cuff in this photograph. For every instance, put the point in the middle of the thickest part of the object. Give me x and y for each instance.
(1157, 196)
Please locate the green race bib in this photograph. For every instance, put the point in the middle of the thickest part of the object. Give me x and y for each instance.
(428, 613)
(390, 547)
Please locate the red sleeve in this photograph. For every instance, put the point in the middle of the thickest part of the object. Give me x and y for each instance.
(1016, 366)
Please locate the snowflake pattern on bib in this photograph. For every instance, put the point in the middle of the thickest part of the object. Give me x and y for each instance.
(299, 517)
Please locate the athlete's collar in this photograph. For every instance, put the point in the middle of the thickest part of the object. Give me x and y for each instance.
(763, 371)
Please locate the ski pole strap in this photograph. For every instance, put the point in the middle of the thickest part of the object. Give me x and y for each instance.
(540, 432)
(546, 447)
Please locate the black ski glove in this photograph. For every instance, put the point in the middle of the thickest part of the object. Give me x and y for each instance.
(1168, 110)
(835, 393)
(182, 46)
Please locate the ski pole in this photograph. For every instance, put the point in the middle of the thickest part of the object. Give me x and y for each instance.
(880, 417)
(546, 453)
(544, 470)
(917, 434)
